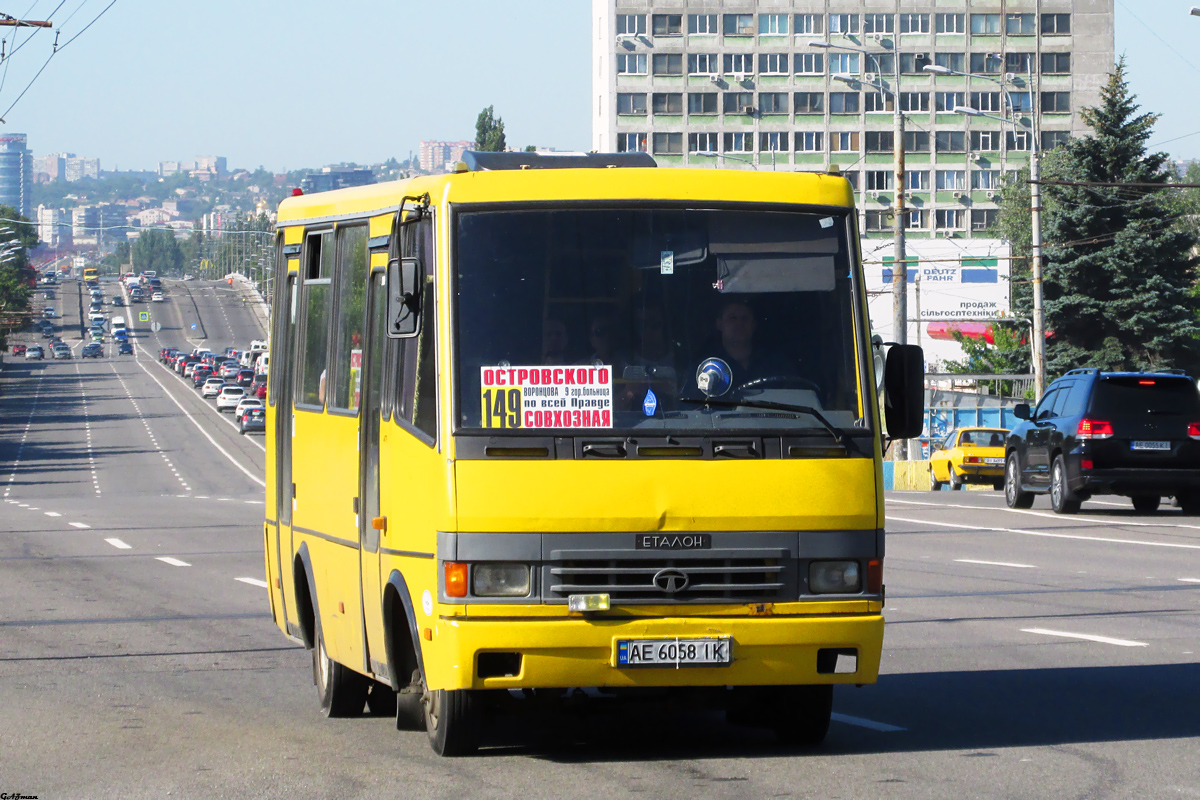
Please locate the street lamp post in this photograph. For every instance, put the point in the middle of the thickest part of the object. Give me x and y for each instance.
(1038, 332)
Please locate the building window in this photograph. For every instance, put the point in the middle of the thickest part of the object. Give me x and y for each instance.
(810, 63)
(948, 101)
(668, 103)
(631, 142)
(1017, 141)
(668, 24)
(1022, 102)
(916, 220)
(949, 23)
(877, 101)
(631, 63)
(739, 64)
(916, 141)
(991, 102)
(702, 63)
(774, 142)
(1018, 62)
(739, 24)
(738, 102)
(950, 141)
(876, 220)
(879, 180)
(878, 23)
(914, 101)
(843, 103)
(948, 219)
(883, 63)
(739, 142)
(1020, 24)
(917, 180)
(1053, 139)
(631, 24)
(702, 142)
(982, 219)
(810, 141)
(809, 103)
(880, 142)
(843, 23)
(668, 63)
(773, 102)
(956, 62)
(951, 180)
(983, 179)
(772, 24)
(702, 23)
(773, 64)
(702, 102)
(1056, 63)
(668, 144)
(631, 104)
(1056, 24)
(914, 23)
(808, 24)
(851, 177)
(843, 141)
(913, 63)
(985, 141)
(986, 63)
(843, 63)
(985, 23)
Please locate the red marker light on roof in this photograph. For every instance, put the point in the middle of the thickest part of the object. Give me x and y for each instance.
(297, 192)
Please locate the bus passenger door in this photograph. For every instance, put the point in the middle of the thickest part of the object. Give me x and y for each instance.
(368, 473)
(282, 382)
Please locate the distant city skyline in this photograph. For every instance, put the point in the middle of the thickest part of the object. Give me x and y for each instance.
(277, 90)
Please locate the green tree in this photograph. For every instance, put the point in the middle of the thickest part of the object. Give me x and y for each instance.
(489, 132)
(1119, 267)
(157, 250)
(15, 273)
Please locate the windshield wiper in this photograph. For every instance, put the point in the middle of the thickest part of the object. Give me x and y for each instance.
(838, 434)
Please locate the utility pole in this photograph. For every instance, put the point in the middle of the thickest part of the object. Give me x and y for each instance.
(900, 257)
(917, 298)
(1035, 201)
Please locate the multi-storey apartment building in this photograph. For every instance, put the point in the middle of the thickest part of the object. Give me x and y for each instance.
(814, 84)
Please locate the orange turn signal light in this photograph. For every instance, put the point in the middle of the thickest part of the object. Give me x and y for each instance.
(456, 579)
(379, 523)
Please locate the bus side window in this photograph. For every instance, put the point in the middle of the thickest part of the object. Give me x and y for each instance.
(414, 368)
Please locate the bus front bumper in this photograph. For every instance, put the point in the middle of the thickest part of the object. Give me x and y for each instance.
(563, 653)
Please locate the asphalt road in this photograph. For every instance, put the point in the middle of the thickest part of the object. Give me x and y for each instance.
(1026, 654)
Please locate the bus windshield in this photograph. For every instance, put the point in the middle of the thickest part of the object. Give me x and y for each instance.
(657, 320)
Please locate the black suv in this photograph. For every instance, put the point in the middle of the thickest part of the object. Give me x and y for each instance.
(1129, 433)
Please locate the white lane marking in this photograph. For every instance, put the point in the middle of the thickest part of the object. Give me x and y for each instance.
(53, 514)
(78, 525)
(174, 562)
(1087, 637)
(994, 563)
(22, 505)
(865, 723)
(253, 582)
(117, 543)
(1048, 535)
(200, 428)
(1045, 515)
(1190, 580)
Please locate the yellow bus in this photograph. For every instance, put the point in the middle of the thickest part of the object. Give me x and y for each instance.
(572, 421)
(91, 274)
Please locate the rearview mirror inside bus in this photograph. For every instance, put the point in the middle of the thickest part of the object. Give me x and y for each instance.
(404, 298)
(904, 391)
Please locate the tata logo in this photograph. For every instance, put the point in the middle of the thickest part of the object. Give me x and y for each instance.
(671, 580)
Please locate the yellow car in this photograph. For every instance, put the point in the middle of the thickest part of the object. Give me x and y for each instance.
(969, 455)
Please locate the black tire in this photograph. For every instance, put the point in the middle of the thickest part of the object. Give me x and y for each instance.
(1062, 499)
(956, 481)
(934, 484)
(342, 691)
(1146, 503)
(802, 714)
(998, 485)
(452, 721)
(1189, 504)
(381, 700)
(1014, 495)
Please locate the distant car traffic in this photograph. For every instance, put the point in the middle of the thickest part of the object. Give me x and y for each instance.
(61, 351)
(118, 300)
(92, 350)
(969, 455)
(48, 312)
(245, 403)
(212, 386)
(34, 351)
(124, 349)
(157, 297)
(18, 349)
(245, 377)
(229, 396)
(252, 419)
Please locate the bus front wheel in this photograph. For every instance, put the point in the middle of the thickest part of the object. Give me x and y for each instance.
(342, 691)
(452, 721)
(802, 714)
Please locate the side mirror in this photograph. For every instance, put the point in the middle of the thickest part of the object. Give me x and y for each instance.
(404, 298)
(1021, 411)
(904, 391)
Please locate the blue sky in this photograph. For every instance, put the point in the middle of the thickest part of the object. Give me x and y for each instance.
(294, 83)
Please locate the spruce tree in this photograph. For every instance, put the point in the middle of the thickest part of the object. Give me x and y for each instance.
(1119, 267)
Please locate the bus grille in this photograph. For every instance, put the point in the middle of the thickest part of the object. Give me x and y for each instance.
(665, 581)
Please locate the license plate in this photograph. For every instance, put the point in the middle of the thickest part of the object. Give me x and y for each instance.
(708, 652)
(1151, 445)
(994, 461)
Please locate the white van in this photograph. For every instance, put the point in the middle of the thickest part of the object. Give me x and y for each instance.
(97, 319)
(263, 364)
(116, 324)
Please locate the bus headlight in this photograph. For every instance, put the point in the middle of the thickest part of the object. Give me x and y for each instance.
(834, 577)
(500, 580)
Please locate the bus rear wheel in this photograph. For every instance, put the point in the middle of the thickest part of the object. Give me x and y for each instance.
(342, 691)
(452, 721)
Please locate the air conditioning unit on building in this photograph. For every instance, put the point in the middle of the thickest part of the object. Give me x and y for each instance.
(877, 37)
(957, 195)
(869, 76)
(715, 78)
(948, 234)
(739, 77)
(1009, 77)
(975, 156)
(993, 195)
